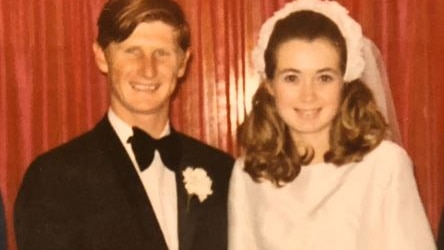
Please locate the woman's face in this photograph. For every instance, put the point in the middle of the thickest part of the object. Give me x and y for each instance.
(307, 86)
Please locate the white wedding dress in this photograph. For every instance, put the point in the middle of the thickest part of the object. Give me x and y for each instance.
(370, 205)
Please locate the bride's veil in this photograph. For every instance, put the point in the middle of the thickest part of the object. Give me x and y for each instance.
(375, 77)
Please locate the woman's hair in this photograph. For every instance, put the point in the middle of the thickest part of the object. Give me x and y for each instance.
(357, 128)
(119, 18)
(304, 25)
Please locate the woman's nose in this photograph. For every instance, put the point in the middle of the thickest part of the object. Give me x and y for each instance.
(307, 91)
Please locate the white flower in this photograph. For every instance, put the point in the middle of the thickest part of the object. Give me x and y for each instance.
(350, 29)
(197, 183)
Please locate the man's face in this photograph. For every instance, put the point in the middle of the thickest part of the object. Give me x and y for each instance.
(143, 70)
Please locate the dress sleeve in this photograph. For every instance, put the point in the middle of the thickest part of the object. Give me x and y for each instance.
(240, 215)
(407, 226)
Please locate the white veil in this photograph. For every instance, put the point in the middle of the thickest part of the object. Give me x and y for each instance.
(375, 77)
(364, 60)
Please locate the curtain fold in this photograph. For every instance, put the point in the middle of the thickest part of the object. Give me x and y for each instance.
(51, 90)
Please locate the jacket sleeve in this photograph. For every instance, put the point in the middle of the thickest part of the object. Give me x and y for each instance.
(42, 211)
(2, 226)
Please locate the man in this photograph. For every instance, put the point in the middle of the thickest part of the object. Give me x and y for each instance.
(2, 226)
(97, 191)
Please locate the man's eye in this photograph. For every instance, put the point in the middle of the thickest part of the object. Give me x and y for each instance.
(161, 52)
(133, 51)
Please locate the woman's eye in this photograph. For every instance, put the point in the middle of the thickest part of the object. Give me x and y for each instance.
(326, 78)
(290, 78)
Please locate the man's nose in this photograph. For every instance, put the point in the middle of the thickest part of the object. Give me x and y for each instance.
(149, 67)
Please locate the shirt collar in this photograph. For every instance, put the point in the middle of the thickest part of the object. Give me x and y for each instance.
(124, 130)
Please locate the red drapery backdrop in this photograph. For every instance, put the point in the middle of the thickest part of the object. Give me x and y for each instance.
(51, 91)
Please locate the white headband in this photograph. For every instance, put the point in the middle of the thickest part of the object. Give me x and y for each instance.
(349, 28)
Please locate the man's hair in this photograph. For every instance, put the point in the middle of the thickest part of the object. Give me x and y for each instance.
(119, 18)
(357, 128)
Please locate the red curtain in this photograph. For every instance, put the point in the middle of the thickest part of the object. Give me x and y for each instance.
(51, 91)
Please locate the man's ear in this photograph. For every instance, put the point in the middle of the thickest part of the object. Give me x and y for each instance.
(183, 64)
(100, 58)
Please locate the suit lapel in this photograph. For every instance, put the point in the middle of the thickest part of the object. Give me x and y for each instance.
(187, 207)
(132, 186)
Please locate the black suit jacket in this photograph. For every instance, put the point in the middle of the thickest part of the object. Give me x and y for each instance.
(86, 194)
(2, 226)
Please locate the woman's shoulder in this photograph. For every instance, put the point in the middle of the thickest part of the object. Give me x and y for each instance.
(389, 162)
(239, 163)
(389, 151)
(239, 173)
(240, 176)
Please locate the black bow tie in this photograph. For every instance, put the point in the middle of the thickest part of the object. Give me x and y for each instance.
(144, 145)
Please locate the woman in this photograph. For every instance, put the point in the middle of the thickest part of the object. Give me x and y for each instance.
(317, 170)
(440, 240)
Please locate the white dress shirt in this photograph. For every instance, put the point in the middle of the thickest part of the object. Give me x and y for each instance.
(159, 183)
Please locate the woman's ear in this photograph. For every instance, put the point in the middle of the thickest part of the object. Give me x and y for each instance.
(268, 85)
(100, 58)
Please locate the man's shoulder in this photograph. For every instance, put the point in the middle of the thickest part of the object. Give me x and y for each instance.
(74, 147)
(197, 154)
(194, 146)
(77, 151)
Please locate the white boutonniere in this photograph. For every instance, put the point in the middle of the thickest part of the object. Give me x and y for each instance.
(197, 182)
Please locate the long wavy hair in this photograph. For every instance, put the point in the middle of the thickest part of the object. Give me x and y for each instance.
(358, 127)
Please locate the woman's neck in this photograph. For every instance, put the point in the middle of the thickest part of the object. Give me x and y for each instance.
(318, 142)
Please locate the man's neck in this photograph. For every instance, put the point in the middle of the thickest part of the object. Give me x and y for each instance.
(153, 124)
